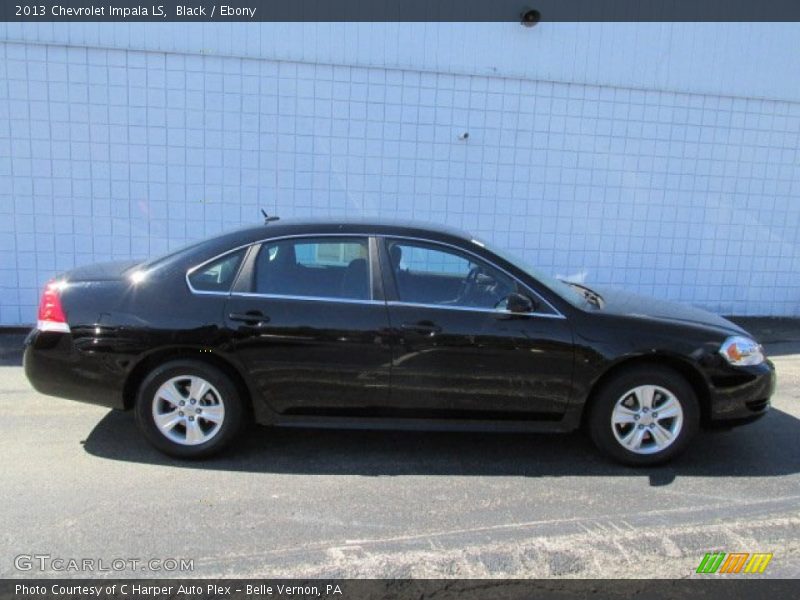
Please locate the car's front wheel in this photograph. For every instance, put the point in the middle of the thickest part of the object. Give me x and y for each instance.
(644, 416)
(189, 409)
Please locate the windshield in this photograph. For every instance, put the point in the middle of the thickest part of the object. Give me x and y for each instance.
(558, 287)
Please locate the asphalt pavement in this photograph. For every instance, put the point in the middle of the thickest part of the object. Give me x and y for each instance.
(79, 482)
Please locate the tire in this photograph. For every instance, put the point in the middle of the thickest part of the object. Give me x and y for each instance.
(624, 427)
(200, 427)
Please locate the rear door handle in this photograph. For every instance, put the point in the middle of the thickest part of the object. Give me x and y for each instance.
(425, 328)
(253, 318)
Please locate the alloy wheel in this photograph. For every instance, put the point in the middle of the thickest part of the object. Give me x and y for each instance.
(647, 419)
(188, 410)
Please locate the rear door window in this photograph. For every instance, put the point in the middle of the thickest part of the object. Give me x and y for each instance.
(326, 267)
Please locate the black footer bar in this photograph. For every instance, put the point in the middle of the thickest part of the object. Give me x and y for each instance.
(711, 587)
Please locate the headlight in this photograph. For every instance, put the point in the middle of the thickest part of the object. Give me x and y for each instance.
(742, 351)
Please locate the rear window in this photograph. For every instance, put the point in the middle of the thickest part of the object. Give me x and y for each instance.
(217, 276)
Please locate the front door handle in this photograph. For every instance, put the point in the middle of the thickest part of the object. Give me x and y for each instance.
(254, 318)
(423, 327)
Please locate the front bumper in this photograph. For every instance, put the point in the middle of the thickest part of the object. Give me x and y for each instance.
(55, 367)
(744, 397)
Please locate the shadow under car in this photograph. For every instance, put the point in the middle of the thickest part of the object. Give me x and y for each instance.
(769, 447)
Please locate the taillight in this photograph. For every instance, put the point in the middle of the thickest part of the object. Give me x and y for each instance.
(51, 314)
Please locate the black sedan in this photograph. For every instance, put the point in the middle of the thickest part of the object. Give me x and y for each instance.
(385, 325)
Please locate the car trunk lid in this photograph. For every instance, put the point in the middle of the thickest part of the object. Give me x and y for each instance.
(105, 271)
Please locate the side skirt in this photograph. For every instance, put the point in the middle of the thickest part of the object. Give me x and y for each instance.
(407, 424)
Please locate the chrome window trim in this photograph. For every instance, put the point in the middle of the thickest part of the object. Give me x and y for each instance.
(494, 311)
(308, 298)
(379, 236)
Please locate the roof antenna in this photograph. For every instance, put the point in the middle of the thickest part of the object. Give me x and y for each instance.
(267, 218)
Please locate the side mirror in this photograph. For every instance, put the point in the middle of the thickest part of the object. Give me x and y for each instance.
(518, 303)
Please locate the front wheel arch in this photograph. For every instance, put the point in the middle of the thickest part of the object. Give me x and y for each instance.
(628, 398)
(689, 372)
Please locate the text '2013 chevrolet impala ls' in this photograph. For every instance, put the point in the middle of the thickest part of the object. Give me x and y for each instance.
(387, 325)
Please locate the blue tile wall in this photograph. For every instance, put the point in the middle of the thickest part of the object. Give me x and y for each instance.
(110, 154)
(746, 59)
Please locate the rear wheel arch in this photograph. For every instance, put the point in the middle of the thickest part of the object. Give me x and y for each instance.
(153, 360)
(688, 371)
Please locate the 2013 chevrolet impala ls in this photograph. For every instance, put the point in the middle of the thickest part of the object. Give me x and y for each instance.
(388, 325)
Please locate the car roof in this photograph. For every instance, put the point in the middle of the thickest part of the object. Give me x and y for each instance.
(360, 225)
(205, 249)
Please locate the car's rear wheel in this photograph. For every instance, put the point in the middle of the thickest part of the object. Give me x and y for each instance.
(644, 416)
(189, 409)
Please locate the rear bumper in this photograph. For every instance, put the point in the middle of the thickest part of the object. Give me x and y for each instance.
(746, 400)
(54, 367)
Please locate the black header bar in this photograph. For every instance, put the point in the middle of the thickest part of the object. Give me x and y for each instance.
(530, 11)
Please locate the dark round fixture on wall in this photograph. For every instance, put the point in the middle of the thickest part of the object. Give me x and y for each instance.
(530, 17)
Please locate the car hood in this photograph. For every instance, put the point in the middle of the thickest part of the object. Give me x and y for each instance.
(622, 303)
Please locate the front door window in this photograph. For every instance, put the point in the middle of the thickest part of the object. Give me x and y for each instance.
(429, 274)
